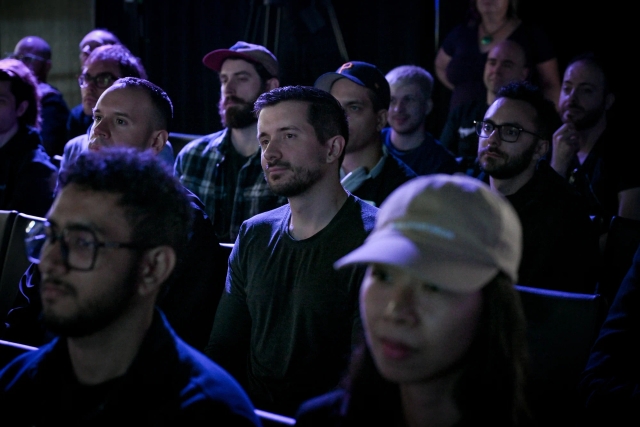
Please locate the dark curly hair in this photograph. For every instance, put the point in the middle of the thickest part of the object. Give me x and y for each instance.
(156, 203)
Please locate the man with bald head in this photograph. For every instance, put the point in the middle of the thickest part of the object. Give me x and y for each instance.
(35, 53)
(506, 62)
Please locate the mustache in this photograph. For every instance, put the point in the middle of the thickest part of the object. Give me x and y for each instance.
(48, 280)
(234, 99)
(490, 149)
(280, 163)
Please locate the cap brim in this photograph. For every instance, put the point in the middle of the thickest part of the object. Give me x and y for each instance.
(431, 263)
(215, 59)
(326, 80)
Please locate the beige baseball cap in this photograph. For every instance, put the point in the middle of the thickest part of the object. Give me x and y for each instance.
(450, 230)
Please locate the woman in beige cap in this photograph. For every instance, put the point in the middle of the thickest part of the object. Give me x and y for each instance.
(444, 328)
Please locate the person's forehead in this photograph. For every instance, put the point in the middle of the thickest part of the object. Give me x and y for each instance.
(404, 88)
(507, 53)
(235, 65)
(97, 66)
(584, 72)
(284, 114)
(126, 99)
(345, 88)
(507, 110)
(98, 209)
(96, 37)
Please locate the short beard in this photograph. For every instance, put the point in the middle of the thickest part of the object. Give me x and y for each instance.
(514, 166)
(590, 118)
(302, 180)
(237, 116)
(95, 316)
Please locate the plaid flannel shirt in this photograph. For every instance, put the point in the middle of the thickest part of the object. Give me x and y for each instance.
(199, 166)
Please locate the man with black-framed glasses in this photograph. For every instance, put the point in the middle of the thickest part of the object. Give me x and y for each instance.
(110, 249)
(35, 53)
(560, 246)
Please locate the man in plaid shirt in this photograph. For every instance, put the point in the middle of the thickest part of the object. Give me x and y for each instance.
(223, 169)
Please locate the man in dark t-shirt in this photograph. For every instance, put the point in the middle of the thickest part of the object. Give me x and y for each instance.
(287, 320)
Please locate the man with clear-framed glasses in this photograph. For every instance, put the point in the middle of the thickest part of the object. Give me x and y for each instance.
(35, 53)
(106, 254)
(560, 245)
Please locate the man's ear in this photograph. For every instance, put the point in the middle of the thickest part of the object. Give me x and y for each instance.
(159, 140)
(272, 83)
(429, 107)
(381, 119)
(609, 100)
(336, 147)
(156, 266)
(542, 147)
(22, 108)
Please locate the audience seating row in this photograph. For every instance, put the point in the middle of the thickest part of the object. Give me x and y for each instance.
(13, 255)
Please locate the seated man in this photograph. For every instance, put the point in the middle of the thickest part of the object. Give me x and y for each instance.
(35, 53)
(109, 249)
(285, 323)
(79, 121)
(560, 247)
(369, 171)
(27, 176)
(104, 66)
(407, 137)
(506, 62)
(190, 304)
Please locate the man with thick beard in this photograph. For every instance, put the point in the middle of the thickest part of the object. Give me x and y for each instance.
(287, 320)
(112, 240)
(223, 168)
(560, 247)
(590, 150)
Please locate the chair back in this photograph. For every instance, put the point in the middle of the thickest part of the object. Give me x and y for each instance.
(561, 329)
(6, 223)
(15, 262)
(622, 241)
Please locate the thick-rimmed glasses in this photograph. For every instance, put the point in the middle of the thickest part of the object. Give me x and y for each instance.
(102, 80)
(78, 245)
(507, 132)
(25, 58)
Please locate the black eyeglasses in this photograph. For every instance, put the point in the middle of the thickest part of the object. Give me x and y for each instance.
(508, 133)
(79, 245)
(25, 58)
(102, 80)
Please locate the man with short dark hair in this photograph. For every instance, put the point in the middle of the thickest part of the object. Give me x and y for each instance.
(506, 62)
(560, 248)
(118, 228)
(369, 171)
(35, 53)
(223, 168)
(27, 176)
(286, 322)
(591, 150)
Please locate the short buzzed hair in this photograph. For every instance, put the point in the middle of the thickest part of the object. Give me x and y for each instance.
(412, 74)
(162, 105)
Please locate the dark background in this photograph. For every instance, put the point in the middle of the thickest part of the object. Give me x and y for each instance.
(172, 37)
